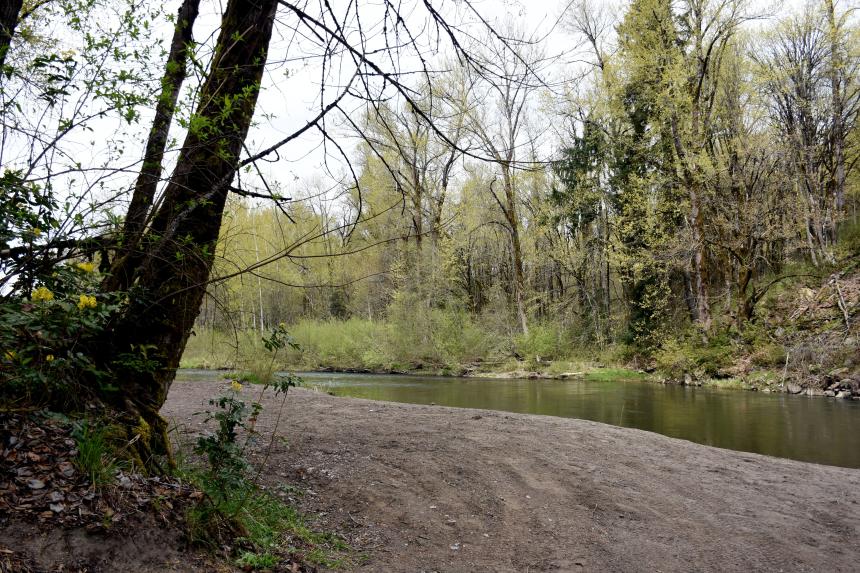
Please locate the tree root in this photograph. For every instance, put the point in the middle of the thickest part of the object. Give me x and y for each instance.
(147, 443)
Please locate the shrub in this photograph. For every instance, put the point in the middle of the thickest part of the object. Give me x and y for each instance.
(674, 359)
(49, 337)
(543, 342)
(849, 236)
(454, 339)
(233, 504)
(769, 355)
(714, 356)
(690, 355)
(341, 344)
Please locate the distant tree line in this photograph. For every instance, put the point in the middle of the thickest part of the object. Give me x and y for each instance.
(702, 154)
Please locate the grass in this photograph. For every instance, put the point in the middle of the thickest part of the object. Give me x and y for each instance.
(270, 526)
(443, 341)
(612, 374)
(760, 379)
(726, 383)
(349, 344)
(235, 511)
(209, 348)
(558, 367)
(253, 561)
(95, 457)
(453, 343)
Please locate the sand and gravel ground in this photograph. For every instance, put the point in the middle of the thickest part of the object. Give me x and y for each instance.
(426, 488)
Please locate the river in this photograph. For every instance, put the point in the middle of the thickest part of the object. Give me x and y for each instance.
(812, 429)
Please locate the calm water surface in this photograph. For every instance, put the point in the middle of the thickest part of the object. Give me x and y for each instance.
(821, 430)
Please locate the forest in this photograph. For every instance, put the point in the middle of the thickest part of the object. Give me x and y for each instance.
(425, 285)
(659, 204)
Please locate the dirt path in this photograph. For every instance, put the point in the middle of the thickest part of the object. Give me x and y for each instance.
(427, 488)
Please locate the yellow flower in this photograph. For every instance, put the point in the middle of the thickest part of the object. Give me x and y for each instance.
(37, 231)
(42, 294)
(86, 267)
(87, 302)
(236, 386)
(49, 358)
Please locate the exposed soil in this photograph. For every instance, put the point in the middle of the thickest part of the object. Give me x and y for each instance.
(427, 488)
(52, 518)
(144, 546)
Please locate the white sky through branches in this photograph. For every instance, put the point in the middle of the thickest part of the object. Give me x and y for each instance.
(295, 87)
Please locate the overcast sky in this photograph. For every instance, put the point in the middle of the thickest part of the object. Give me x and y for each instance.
(291, 89)
(293, 100)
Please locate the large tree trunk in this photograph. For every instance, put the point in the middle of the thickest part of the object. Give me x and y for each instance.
(9, 11)
(697, 225)
(837, 124)
(700, 276)
(180, 244)
(516, 249)
(150, 172)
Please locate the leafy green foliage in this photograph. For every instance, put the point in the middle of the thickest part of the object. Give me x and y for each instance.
(278, 339)
(227, 467)
(543, 342)
(96, 455)
(691, 355)
(49, 339)
(26, 211)
(233, 501)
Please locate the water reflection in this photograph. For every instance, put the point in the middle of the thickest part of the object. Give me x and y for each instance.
(817, 430)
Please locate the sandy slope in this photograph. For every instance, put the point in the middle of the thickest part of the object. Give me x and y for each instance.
(426, 488)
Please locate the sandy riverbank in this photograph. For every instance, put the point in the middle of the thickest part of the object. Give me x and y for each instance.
(427, 488)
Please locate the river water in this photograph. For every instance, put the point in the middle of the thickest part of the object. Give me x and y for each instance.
(812, 429)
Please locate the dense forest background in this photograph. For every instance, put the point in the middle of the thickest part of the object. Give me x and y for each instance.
(668, 204)
(437, 187)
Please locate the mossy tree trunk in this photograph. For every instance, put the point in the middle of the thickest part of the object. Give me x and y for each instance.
(9, 12)
(150, 173)
(170, 279)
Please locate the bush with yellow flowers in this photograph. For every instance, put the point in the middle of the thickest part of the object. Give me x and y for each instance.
(49, 335)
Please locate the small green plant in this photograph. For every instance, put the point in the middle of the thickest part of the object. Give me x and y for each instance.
(96, 458)
(254, 561)
(233, 504)
(227, 467)
(261, 367)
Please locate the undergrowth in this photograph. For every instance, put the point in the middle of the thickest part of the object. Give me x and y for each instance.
(455, 343)
(262, 528)
(97, 457)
